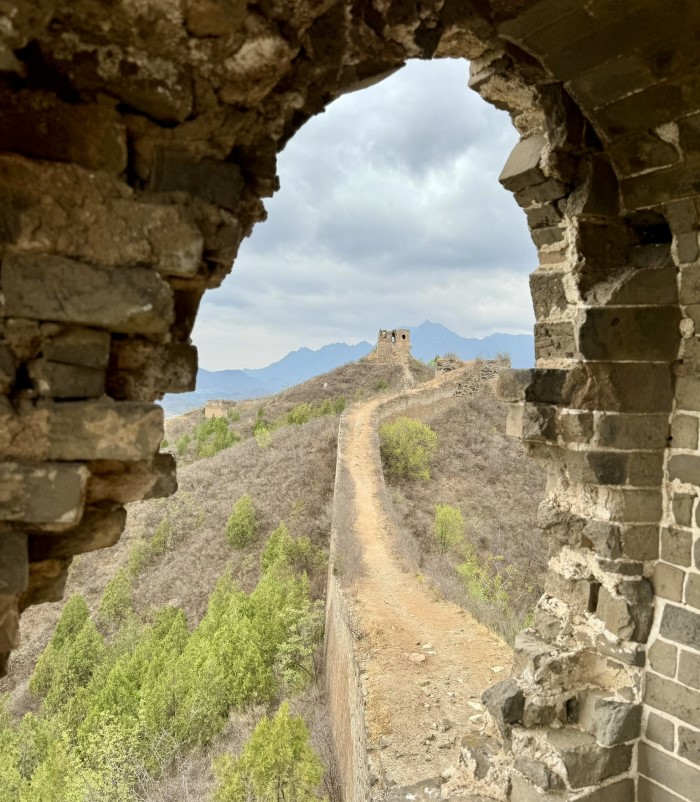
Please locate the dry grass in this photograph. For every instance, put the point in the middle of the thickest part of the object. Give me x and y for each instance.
(497, 487)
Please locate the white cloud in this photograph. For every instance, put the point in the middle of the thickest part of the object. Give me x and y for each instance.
(390, 212)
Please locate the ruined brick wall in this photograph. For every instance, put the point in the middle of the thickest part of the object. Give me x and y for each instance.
(137, 143)
(393, 345)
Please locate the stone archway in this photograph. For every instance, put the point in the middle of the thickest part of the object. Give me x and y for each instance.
(137, 143)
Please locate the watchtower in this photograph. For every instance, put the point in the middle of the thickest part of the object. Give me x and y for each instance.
(393, 345)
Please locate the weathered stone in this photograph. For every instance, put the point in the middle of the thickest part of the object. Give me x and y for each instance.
(673, 698)
(100, 527)
(654, 285)
(689, 669)
(547, 236)
(668, 582)
(77, 346)
(123, 482)
(631, 387)
(575, 426)
(586, 762)
(684, 467)
(478, 751)
(505, 701)
(215, 182)
(633, 431)
(640, 541)
(545, 214)
(49, 492)
(548, 294)
(615, 614)
(58, 380)
(532, 653)
(676, 546)
(630, 333)
(578, 593)
(7, 368)
(141, 370)
(14, 563)
(668, 771)
(215, 17)
(538, 773)
(604, 537)
(39, 124)
(680, 626)
(523, 790)
(55, 288)
(682, 508)
(545, 386)
(660, 730)
(555, 341)
(610, 720)
(663, 658)
(523, 169)
(104, 430)
(692, 591)
(689, 744)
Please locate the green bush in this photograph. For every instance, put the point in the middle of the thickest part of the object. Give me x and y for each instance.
(162, 538)
(233, 415)
(407, 448)
(278, 764)
(448, 527)
(263, 436)
(139, 555)
(117, 601)
(242, 525)
(182, 444)
(381, 385)
(164, 443)
(302, 413)
(298, 555)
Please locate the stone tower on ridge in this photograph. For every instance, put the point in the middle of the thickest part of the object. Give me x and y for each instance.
(393, 345)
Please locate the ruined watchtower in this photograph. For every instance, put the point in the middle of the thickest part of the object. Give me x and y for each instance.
(393, 345)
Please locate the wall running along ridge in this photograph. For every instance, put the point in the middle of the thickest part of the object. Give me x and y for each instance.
(136, 144)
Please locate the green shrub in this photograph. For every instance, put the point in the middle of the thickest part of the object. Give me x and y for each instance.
(448, 527)
(381, 385)
(278, 764)
(263, 436)
(407, 448)
(139, 555)
(242, 525)
(298, 555)
(182, 444)
(164, 443)
(162, 538)
(233, 415)
(302, 413)
(117, 601)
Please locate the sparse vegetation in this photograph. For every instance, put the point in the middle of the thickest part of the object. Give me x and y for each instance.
(407, 448)
(449, 526)
(117, 601)
(242, 525)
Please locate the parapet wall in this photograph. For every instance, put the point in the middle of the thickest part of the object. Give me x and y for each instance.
(346, 696)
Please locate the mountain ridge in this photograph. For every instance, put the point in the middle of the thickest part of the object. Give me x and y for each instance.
(427, 340)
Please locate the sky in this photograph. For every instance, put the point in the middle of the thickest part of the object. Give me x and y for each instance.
(389, 213)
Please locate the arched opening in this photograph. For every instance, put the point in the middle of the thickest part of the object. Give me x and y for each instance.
(200, 155)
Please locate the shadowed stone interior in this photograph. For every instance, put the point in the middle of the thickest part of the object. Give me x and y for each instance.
(137, 141)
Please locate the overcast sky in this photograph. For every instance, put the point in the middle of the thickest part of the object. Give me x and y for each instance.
(389, 213)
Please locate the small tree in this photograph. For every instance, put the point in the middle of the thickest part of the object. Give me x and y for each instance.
(278, 764)
(407, 448)
(242, 525)
(449, 526)
(117, 601)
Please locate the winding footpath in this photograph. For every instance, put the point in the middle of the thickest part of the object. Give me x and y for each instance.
(425, 661)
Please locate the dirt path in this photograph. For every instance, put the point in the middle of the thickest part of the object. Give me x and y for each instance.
(426, 661)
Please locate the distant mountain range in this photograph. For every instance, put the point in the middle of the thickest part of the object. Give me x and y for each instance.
(427, 340)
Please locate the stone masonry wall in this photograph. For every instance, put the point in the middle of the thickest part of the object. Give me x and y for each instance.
(138, 141)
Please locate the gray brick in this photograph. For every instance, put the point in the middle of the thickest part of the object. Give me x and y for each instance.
(666, 770)
(668, 582)
(682, 507)
(651, 792)
(689, 744)
(640, 541)
(663, 658)
(692, 591)
(646, 332)
(622, 791)
(681, 626)
(689, 668)
(674, 698)
(660, 730)
(685, 467)
(684, 431)
(522, 169)
(676, 546)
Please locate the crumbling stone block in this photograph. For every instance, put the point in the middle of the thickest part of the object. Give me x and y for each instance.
(123, 482)
(586, 761)
(100, 527)
(58, 380)
(54, 288)
(646, 332)
(48, 492)
(505, 701)
(612, 721)
(522, 169)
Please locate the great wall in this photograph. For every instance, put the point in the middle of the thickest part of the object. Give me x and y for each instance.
(138, 141)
